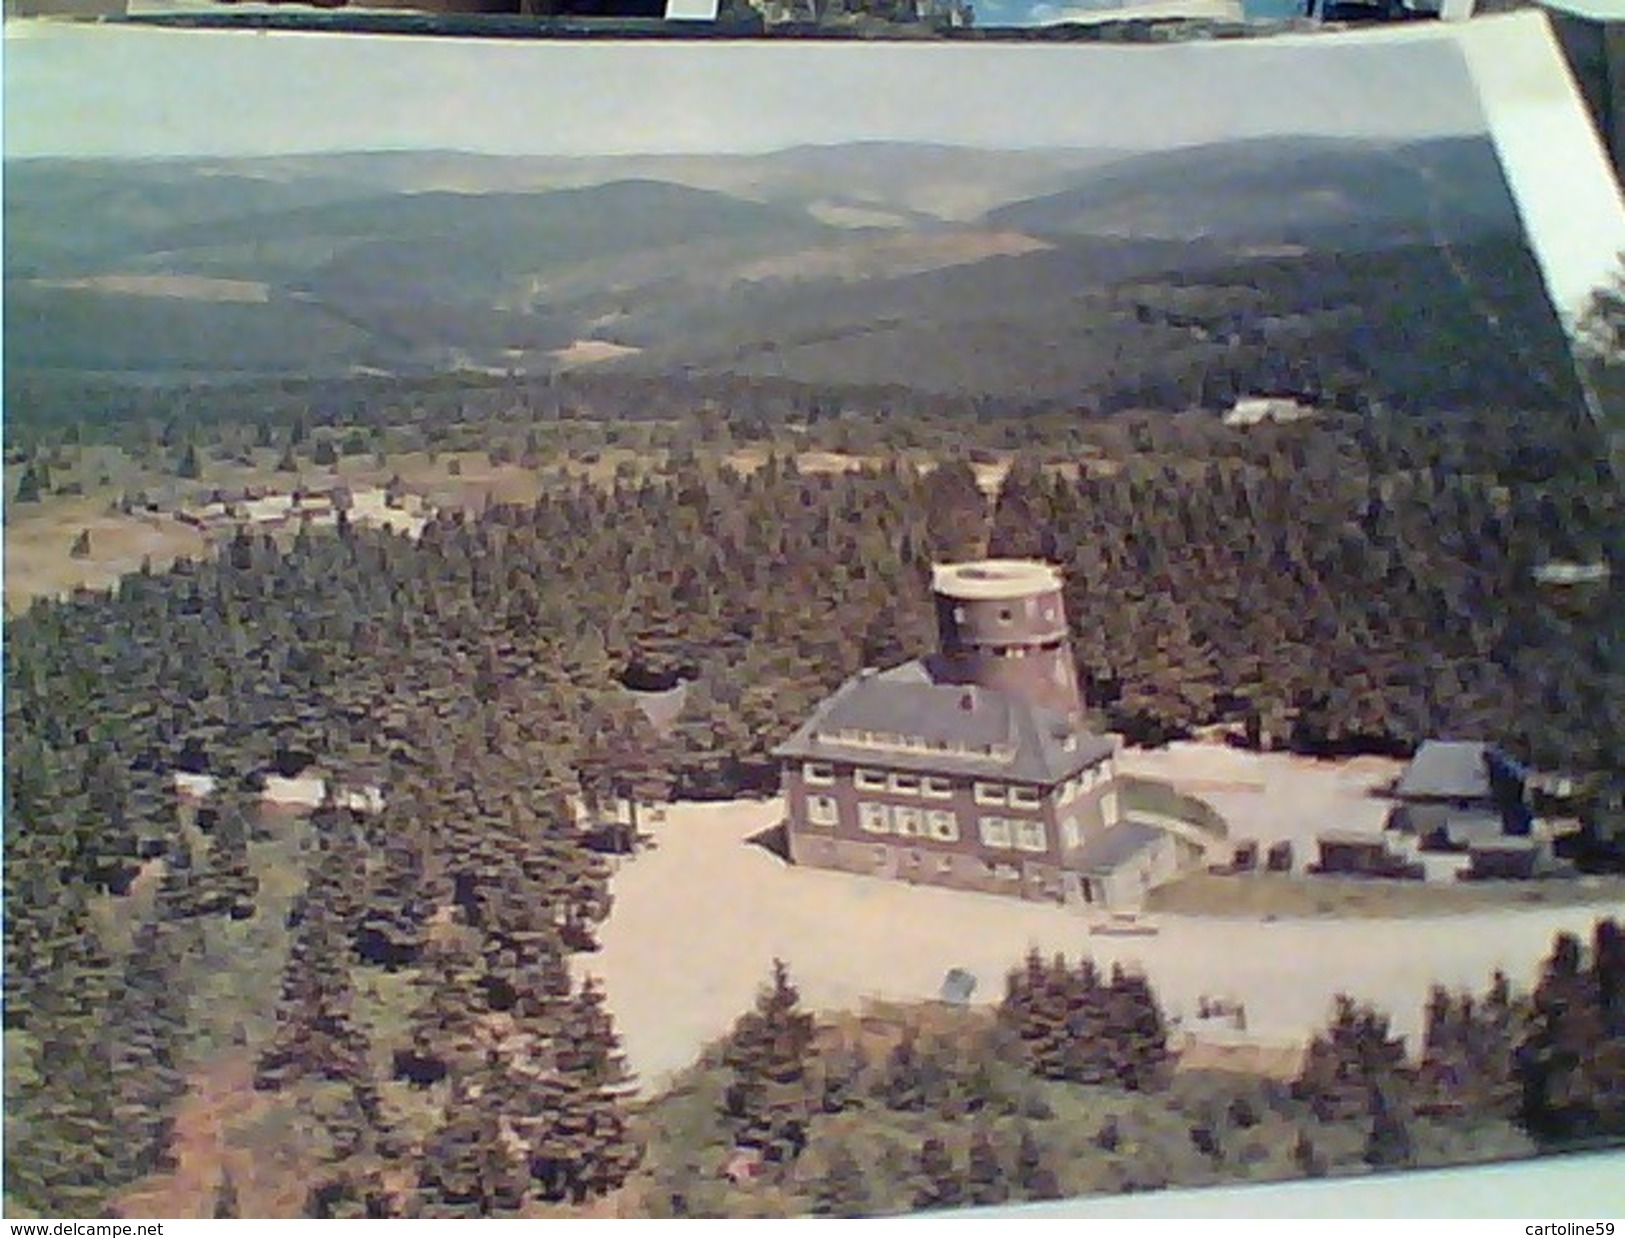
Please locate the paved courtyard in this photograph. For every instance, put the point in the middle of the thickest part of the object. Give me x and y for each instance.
(698, 920)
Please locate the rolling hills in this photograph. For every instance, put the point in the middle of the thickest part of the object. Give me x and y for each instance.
(1098, 277)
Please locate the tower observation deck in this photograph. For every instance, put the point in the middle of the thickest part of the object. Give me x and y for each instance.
(1001, 624)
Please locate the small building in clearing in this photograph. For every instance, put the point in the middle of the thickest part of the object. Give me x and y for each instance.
(1456, 794)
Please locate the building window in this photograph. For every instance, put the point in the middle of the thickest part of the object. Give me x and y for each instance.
(1024, 797)
(872, 819)
(817, 775)
(822, 810)
(869, 780)
(1071, 836)
(1060, 674)
(943, 825)
(945, 864)
(1006, 614)
(905, 784)
(1109, 808)
(989, 793)
(937, 788)
(1030, 836)
(1007, 872)
(995, 831)
(905, 821)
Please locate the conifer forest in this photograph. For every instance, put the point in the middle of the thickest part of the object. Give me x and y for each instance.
(1349, 584)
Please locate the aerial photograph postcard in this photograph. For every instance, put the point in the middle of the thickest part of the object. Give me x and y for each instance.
(606, 628)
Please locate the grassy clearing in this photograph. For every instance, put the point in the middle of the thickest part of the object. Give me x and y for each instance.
(1276, 895)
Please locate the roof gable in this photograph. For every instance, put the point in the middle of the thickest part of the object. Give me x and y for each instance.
(902, 718)
(1447, 769)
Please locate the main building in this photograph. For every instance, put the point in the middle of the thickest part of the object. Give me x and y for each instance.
(972, 767)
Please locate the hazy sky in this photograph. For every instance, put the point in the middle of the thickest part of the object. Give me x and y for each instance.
(102, 90)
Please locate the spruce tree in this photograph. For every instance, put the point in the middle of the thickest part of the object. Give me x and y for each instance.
(769, 1099)
(315, 1034)
(226, 1205)
(1035, 1178)
(578, 1135)
(228, 881)
(1388, 1144)
(474, 1164)
(74, 1150)
(986, 1175)
(937, 1183)
(150, 1012)
(842, 1190)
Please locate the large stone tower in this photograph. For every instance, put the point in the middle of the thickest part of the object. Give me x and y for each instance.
(1002, 625)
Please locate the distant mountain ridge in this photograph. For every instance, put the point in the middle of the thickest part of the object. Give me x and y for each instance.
(1048, 274)
(1317, 191)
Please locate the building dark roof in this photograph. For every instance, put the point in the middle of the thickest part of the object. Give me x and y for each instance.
(1447, 769)
(1116, 847)
(965, 730)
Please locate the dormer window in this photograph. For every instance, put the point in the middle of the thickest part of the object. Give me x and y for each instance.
(816, 774)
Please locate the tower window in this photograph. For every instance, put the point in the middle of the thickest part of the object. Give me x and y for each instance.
(817, 775)
(822, 810)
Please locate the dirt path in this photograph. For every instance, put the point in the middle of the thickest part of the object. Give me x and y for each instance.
(220, 1097)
